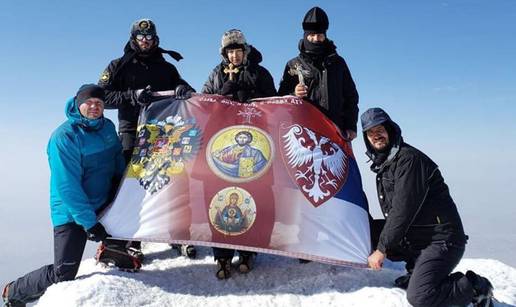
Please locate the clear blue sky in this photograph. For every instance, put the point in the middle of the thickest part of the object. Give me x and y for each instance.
(445, 70)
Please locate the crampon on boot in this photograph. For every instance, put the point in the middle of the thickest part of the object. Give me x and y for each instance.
(114, 256)
(189, 251)
(482, 289)
(245, 262)
(7, 301)
(136, 252)
(223, 268)
(185, 250)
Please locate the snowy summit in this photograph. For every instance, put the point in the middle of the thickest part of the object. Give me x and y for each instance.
(170, 280)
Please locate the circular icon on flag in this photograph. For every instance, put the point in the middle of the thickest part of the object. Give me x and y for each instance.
(240, 153)
(232, 211)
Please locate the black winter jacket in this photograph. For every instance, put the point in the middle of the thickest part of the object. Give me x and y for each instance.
(253, 79)
(125, 75)
(330, 88)
(414, 199)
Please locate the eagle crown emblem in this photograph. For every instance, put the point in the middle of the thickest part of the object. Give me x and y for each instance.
(321, 164)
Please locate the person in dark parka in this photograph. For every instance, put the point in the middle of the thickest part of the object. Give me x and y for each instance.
(240, 77)
(129, 83)
(321, 76)
(130, 80)
(422, 225)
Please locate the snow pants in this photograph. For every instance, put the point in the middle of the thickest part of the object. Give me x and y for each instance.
(69, 243)
(431, 283)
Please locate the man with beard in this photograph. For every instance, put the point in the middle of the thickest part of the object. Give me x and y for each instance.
(240, 77)
(321, 76)
(422, 225)
(240, 159)
(129, 83)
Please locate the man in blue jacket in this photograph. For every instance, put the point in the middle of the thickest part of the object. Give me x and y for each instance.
(86, 165)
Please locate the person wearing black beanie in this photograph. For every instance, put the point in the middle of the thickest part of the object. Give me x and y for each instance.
(322, 77)
(88, 91)
(86, 166)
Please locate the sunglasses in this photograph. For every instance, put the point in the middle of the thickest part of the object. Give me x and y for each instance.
(147, 37)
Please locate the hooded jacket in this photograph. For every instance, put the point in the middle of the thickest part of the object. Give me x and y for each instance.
(253, 78)
(86, 164)
(413, 196)
(330, 85)
(134, 71)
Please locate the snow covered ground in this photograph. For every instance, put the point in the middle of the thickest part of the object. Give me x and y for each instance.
(170, 280)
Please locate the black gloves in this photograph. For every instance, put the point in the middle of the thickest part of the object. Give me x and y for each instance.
(144, 97)
(229, 87)
(97, 233)
(183, 91)
(242, 95)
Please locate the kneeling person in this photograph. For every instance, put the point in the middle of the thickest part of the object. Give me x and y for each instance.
(422, 225)
(86, 165)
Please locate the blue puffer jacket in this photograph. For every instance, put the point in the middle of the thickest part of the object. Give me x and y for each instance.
(85, 158)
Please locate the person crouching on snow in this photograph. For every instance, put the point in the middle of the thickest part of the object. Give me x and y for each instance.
(86, 165)
(422, 225)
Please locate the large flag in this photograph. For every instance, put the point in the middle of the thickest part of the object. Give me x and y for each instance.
(272, 176)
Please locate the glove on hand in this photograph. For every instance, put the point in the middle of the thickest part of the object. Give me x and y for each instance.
(144, 97)
(243, 95)
(97, 233)
(229, 87)
(183, 91)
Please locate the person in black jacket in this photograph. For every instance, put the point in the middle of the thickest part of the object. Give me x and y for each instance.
(422, 225)
(321, 76)
(129, 83)
(240, 77)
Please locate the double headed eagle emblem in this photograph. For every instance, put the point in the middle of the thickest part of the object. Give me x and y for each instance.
(320, 163)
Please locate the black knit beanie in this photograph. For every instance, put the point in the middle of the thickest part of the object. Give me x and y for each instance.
(88, 91)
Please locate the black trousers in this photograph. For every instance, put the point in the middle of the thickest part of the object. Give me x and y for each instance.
(127, 139)
(431, 283)
(69, 243)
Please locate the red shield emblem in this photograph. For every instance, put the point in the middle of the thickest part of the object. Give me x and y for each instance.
(318, 165)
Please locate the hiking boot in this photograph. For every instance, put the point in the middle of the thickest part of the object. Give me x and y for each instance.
(113, 255)
(482, 290)
(136, 252)
(245, 262)
(223, 268)
(189, 251)
(7, 301)
(303, 261)
(402, 281)
(185, 250)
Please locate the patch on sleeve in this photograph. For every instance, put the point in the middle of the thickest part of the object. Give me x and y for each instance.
(105, 76)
